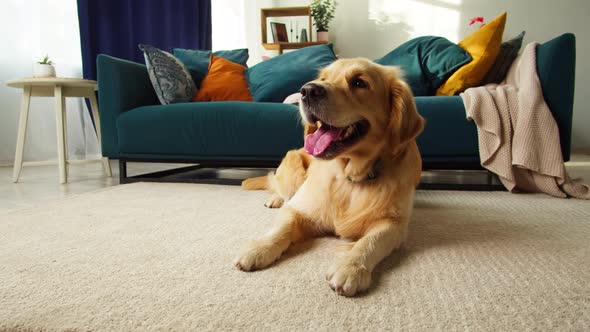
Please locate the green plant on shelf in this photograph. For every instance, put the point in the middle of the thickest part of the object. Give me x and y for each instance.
(322, 12)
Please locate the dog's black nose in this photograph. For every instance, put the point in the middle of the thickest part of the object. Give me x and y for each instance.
(312, 92)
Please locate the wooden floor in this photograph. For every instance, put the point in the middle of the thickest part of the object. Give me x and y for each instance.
(39, 184)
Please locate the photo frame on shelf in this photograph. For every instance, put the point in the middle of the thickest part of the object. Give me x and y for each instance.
(279, 32)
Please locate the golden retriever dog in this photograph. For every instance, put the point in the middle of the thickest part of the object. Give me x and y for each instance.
(355, 177)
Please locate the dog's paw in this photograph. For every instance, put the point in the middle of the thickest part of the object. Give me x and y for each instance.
(256, 257)
(274, 202)
(348, 279)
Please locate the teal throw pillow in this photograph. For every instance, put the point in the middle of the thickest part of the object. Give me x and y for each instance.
(170, 79)
(275, 79)
(197, 61)
(427, 62)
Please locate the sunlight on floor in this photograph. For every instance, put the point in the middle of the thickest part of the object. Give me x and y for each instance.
(427, 17)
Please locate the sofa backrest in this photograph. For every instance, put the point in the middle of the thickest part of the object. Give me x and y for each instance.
(556, 67)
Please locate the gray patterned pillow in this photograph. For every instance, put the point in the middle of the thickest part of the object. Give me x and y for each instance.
(170, 78)
(508, 52)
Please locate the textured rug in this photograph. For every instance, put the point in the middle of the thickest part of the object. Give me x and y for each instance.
(147, 257)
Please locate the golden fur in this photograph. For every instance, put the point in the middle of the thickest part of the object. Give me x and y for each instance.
(332, 196)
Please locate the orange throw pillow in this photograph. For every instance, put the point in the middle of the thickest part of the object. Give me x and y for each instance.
(225, 81)
(483, 45)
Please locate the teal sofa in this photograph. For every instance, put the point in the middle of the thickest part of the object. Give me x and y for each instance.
(136, 128)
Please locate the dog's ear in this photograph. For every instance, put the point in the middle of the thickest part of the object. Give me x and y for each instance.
(405, 121)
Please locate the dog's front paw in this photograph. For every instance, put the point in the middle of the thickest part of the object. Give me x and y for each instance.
(348, 279)
(257, 256)
(274, 202)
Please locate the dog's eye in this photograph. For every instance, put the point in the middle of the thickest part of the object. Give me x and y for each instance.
(358, 83)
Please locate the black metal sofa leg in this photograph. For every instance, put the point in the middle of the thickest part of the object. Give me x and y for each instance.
(122, 171)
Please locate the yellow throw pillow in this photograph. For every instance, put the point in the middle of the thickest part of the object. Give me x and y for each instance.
(483, 45)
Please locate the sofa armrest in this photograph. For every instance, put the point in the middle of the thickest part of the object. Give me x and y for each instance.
(556, 67)
(122, 86)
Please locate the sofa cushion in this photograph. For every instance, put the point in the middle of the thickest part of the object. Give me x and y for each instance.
(427, 62)
(170, 79)
(483, 45)
(225, 81)
(197, 61)
(447, 133)
(278, 77)
(213, 130)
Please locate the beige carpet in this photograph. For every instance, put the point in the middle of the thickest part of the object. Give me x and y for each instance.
(158, 257)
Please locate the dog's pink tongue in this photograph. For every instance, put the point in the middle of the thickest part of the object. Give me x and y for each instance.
(319, 141)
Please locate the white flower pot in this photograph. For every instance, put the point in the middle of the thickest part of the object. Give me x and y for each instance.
(41, 70)
(323, 36)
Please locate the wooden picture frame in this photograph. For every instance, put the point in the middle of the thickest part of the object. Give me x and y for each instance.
(279, 32)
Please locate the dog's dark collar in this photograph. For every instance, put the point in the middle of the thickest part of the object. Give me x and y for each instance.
(373, 173)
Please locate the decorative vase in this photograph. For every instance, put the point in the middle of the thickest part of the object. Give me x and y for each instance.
(323, 36)
(303, 36)
(43, 70)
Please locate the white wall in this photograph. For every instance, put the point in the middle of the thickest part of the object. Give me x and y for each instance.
(371, 28)
(236, 24)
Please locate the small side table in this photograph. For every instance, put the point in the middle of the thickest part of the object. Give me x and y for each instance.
(59, 88)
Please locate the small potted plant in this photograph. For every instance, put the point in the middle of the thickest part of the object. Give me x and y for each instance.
(322, 12)
(44, 68)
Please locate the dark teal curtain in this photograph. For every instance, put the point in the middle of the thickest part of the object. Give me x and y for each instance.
(116, 27)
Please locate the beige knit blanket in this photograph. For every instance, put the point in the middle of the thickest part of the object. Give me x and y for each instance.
(518, 137)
